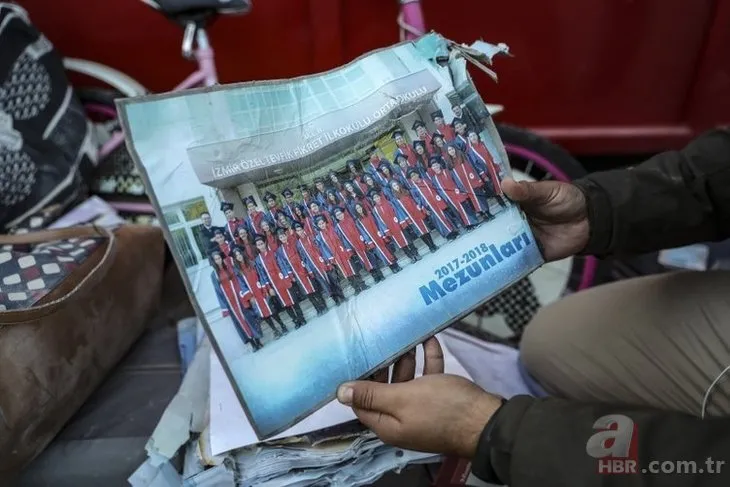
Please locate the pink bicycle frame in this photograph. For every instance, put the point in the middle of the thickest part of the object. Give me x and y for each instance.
(205, 75)
(410, 20)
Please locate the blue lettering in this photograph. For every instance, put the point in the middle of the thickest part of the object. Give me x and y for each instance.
(507, 250)
(487, 261)
(496, 253)
(450, 284)
(517, 242)
(463, 278)
(526, 238)
(432, 292)
(475, 269)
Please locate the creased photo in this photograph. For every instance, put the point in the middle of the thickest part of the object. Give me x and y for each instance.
(327, 224)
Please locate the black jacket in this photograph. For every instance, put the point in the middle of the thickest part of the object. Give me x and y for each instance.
(673, 199)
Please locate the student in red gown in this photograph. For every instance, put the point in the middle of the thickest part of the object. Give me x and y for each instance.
(254, 216)
(460, 129)
(293, 267)
(231, 221)
(438, 145)
(306, 198)
(258, 297)
(289, 202)
(404, 148)
(351, 238)
(333, 251)
(401, 169)
(279, 285)
(231, 292)
(419, 147)
(483, 162)
(441, 127)
(285, 223)
(315, 210)
(423, 135)
(373, 232)
(354, 195)
(336, 184)
(376, 162)
(301, 215)
(430, 200)
(319, 191)
(411, 212)
(321, 270)
(267, 231)
(452, 192)
(469, 179)
(219, 238)
(245, 242)
(356, 174)
(272, 207)
(394, 224)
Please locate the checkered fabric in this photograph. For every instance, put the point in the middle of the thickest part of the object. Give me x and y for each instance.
(517, 305)
(27, 275)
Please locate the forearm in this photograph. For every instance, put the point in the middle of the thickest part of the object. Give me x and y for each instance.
(545, 442)
(673, 199)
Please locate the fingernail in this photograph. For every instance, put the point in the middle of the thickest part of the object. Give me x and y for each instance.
(344, 394)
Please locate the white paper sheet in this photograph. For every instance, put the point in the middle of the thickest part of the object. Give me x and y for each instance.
(230, 429)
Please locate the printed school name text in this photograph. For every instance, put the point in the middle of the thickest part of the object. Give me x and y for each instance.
(470, 265)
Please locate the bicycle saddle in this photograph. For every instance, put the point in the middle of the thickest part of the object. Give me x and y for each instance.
(184, 8)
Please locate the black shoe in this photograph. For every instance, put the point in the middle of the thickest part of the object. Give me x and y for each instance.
(395, 268)
(433, 249)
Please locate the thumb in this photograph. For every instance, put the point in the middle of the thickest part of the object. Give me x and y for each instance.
(529, 192)
(367, 395)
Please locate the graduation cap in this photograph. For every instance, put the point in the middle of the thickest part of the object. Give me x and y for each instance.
(437, 114)
(297, 224)
(249, 199)
(456, 120)
(268, 196)
(411, 172)
(319, 218)
(287, 193)
(397, 133)
(418, 142)
(280, 230)
(436, 135)
(417, 124)
(435, 160)
(258, 237)
(303, 188)
(352, 163)
(313, 202)
(225, 206)
(385, 165)
(218, 231)
(373, 192)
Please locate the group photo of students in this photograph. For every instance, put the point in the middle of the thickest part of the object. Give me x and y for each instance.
(311, 246)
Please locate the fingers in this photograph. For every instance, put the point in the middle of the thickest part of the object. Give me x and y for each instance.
(433, 357)
(384, 425)
(370, 396)
(514, 190)
(381, 375)
(405, 368)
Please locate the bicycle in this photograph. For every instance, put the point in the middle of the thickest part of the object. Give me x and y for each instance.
(531, 156)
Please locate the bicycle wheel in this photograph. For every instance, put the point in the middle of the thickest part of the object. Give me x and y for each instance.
(504, 317)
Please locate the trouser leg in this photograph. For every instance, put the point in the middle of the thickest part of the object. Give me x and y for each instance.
(660, 341)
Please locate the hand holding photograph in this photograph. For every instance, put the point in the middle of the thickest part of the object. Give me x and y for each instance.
(327, 224)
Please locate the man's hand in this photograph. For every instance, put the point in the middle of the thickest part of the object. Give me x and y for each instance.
(437, 413)
(557, 213)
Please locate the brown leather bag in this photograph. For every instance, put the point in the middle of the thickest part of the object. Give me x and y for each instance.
(54, 353)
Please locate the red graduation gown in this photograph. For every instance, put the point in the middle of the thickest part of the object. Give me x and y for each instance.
(483, 154)
(276, 278)
(290, 253)
(340, 255)
(257, 297)
(387, 215)
(352, 238)
(469, 179)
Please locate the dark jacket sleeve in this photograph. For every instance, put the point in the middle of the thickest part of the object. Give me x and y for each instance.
(543, 442)
(673, 199)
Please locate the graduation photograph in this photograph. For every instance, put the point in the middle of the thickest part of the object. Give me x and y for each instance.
(325, 225)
